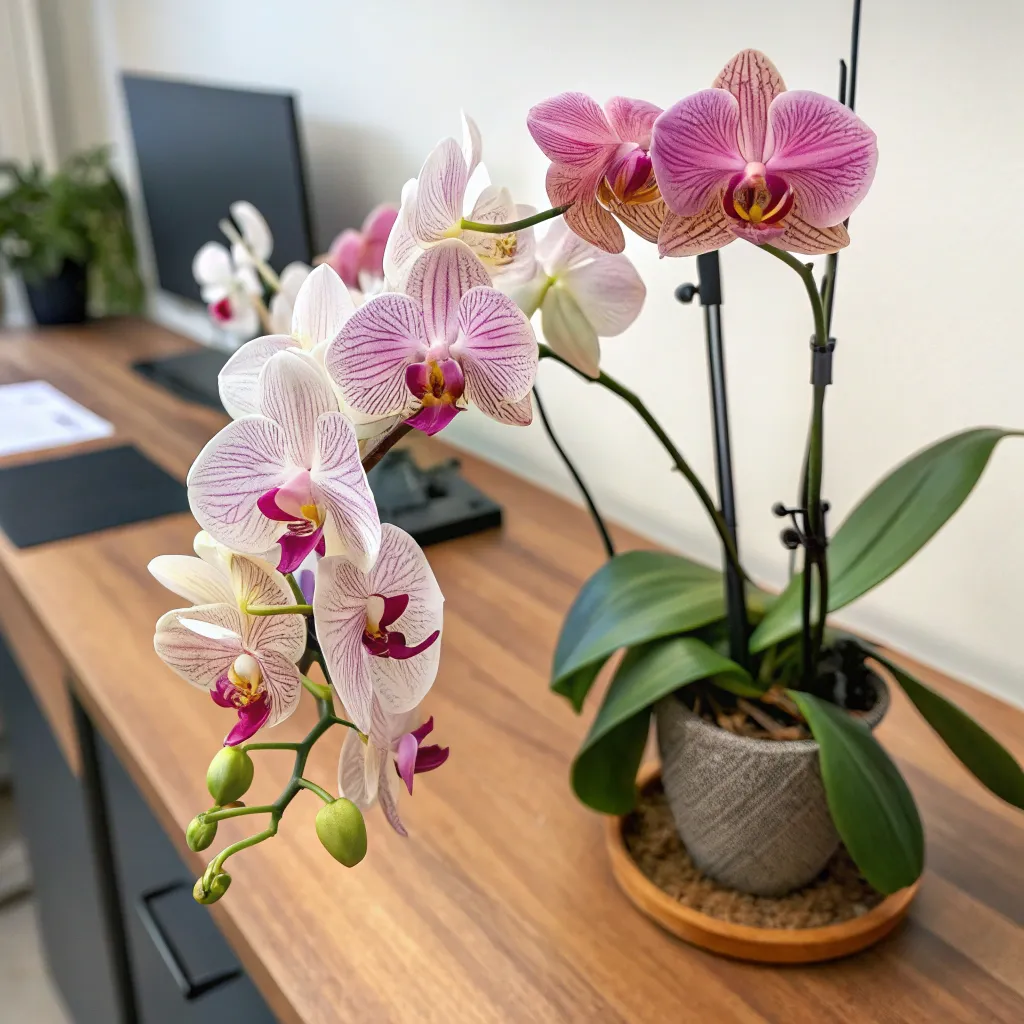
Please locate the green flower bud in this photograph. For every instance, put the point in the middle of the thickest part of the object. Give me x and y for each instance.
(341, 829)
(209, 893)
(229, 775)
(200, 833)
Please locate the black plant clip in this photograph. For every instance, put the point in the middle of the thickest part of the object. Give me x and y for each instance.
(821, 363)
(798, 535)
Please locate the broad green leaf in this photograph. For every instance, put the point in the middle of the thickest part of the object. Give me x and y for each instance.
(604, 772)
(892, 523)
(870, 803)
(632, 598)
(982, 755)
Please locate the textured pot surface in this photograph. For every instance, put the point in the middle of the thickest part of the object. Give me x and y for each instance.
(752, 813)
(60, 299)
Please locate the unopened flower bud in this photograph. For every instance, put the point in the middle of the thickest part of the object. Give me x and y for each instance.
(200, 833)
(209, 892)
(341, 829)
(229, 775)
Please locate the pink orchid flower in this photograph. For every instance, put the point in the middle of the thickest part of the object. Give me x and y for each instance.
(747, 159)
(451, 340)
(245, 662)
(601, 163)
(364, 772)
(322, 305)
(357, 257)
(379, 630)
(291, 475)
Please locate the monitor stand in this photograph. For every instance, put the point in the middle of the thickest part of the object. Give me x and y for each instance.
(433, 504)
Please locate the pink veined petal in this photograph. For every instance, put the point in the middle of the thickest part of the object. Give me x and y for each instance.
(431, 419)
(352, 771)
(518, 414)
(801, 237)
(572, 129)
(755, 81)
(239, 377)
(340, 484)
(238, 465)
(192, 578)
(824, 150)
(586, 216)
(608, 290)
(437, 282)
(199, 660)
(405, 759)
(758, 235)
(632, 120)
(369, 357)
(472, 144)
(322, 306)
(256, 583)
(440, 190)
(496, 348)
(401, 249)
(690, 236)
(281, 679)
(644, 219)
(695, 150)
(251, 718)
(295, 393)
(569, 333)
(376, 231)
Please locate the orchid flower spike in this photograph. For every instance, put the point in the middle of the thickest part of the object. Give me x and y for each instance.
(379, 629)
(583, 294)
(282, 305)
(290, 475)
(246, 662)
(450, 341)
(433, 206)
(357, 257)
(322, 305)
(747, 159)
(229, 289)
(601, 164)
(365, 775)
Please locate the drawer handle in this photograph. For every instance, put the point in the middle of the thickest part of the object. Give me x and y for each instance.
(189, 988)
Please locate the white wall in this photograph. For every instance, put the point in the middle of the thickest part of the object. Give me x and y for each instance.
(926, 317)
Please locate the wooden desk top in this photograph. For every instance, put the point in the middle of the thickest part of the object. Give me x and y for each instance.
(501, 906)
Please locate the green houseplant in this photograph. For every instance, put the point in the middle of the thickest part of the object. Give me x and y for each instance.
(69, 236)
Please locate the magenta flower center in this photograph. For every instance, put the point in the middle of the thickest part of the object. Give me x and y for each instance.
(630, 176)
(221, 310)
(379, 639)
(294, 505)
(436, 381)
(247, 680)
(756, 196)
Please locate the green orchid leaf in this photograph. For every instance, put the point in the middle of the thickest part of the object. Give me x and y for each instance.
(604, 772)
(869, 801)
(632, 598)
(981, 754)
(892, 523)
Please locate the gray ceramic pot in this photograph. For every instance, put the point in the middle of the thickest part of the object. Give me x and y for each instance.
(752, 813)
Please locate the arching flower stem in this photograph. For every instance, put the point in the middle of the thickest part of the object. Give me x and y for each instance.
(515, 225)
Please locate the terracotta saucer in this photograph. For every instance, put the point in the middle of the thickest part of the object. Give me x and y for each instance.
(747, 942)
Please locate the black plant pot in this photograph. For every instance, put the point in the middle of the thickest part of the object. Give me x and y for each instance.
(60, 299)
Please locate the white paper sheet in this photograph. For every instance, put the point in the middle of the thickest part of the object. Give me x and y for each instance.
(34, 414)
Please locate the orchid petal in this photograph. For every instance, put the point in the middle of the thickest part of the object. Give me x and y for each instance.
(755, 81)
(695, 150)
(199, 660)
(251, 718)
(294, 392)
(561, 248)
(369, 357)
(321, 308)
(345, 255)
(241, 462)
(569, 333)
(632, 120)
(529, 296)
(257, 584)
(497, 350)
(472, 144)
(690, 236)
(430, 758)
(572, 129)
(212, 265)
(254, 229)
(281, 678)
(440, 189)
(192, 578)
(376, 231)
(645, 219)
(801, 237)
(389, 805)
(296, 547)
(292, 278)
(431, 419)
(352, 771)
(757, 234)
(340, 482)
(238, 379)
(280, 311)
(609, 292)
(402, 248)
(825, 152)
(405, 759)
(518, 414)
(306, 578)
(586, 216)
(437, 283)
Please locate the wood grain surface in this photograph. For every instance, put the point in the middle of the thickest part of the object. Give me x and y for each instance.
(501, 906)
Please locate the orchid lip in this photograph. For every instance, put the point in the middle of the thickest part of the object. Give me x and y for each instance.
(756, 196)
(381, 642)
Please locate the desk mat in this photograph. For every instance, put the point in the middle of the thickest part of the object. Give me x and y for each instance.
(59, 498)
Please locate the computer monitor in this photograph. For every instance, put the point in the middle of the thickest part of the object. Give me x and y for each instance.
(199, 149)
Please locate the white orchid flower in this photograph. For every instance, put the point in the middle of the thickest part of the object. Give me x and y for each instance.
(583, 294)
(245, 662)
(229, 289)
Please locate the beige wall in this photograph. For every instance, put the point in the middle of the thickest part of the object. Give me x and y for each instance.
(927, 313)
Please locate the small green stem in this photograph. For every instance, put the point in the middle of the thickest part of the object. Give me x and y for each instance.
(297, 593)
(666, 442)
(318, 691)
(282, 609)
(515, 225)
(314, 788)
(343, 721)
(270, 746)
(807, 276)
(220, 813)
(243, 844)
